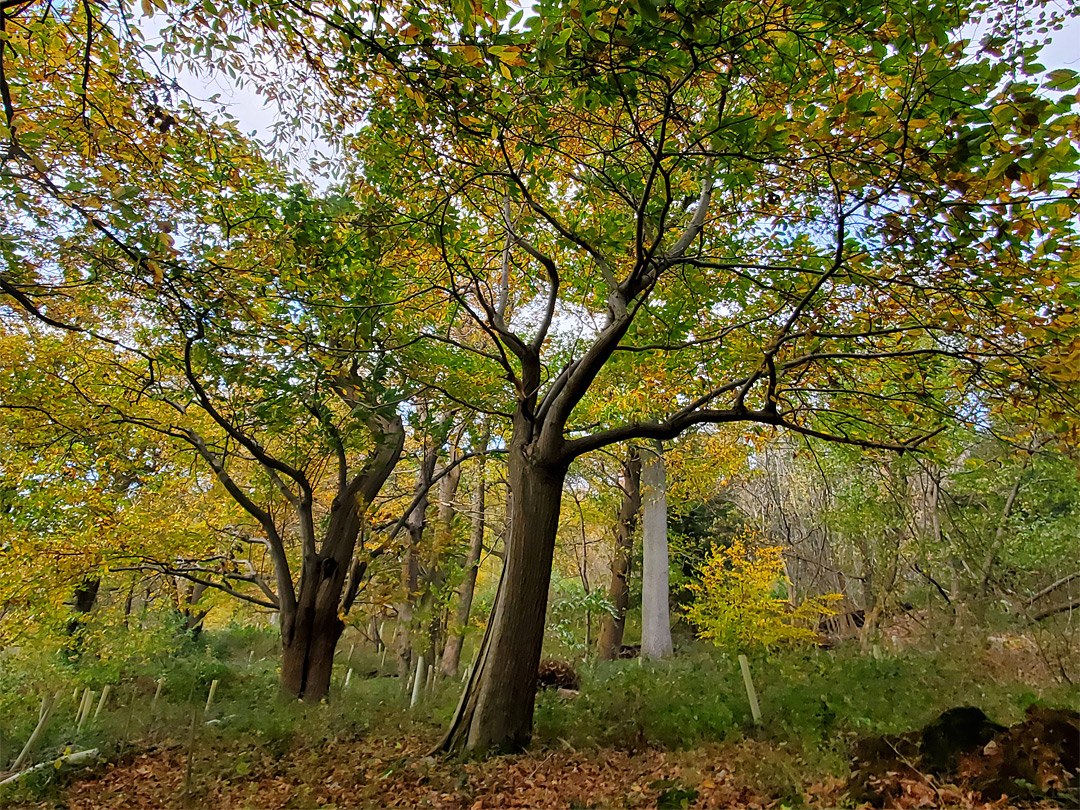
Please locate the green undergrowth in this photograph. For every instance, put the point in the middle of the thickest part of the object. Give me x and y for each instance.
(813, 703)
(247, 714)
(813, 698)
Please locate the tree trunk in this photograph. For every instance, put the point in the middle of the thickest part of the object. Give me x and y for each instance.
(309, 639)
(410, 584)
(310, 634)
(442, 545)
(496, 709)
(999, 534)
(312, 625)
(451, 659)
(84, 598)
(415, 524)
(611, 628)
(655, 621)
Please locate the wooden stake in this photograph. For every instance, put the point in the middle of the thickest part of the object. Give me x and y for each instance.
(104, 697)
(80, 707)
(429, 681)
(186, 793)
(755, 710)
(210, 697)
(418, 681)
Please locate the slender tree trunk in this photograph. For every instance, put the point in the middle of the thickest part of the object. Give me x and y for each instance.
(451, 659)
(611, 628)
(496, 709)
(655, 619)
(410, 584)
(410, 564)
(999, 534)
(443, 544)
(415, 525)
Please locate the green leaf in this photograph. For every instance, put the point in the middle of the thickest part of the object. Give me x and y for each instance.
(1063, 79)
(648, 11)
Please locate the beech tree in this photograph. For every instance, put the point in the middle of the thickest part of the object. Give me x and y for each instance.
(200, 290)
(655, 616)
(767, 216)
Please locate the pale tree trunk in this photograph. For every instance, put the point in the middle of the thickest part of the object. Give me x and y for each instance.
(410, 583)
(451, 659)
(611, 628)
(410, 565)
(442, 545)
(655, 619)
(496, 709)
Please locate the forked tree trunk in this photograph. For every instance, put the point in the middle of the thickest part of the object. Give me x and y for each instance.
(312, 625)
(496, 709)
(309, 639)
(611, 628)
(655, 616)
(451, 659)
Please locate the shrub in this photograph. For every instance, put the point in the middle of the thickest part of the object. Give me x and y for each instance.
(735, 605)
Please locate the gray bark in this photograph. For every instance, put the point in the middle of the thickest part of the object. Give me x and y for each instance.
(655, 619)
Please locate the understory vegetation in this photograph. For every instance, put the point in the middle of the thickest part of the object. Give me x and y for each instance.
(815, 703)
(556, 403)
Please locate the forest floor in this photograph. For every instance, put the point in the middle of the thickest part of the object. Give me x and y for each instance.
(380, 773)
(842, 729)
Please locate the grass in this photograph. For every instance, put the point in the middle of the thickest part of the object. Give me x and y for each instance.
(813, 703)
(812, 700)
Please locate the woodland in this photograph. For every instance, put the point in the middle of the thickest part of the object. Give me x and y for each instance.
(562, 404)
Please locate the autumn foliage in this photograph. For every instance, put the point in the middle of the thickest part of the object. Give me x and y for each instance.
(736, 603)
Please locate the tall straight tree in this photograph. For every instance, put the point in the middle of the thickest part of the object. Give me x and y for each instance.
(613, 624)
(655, 616)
